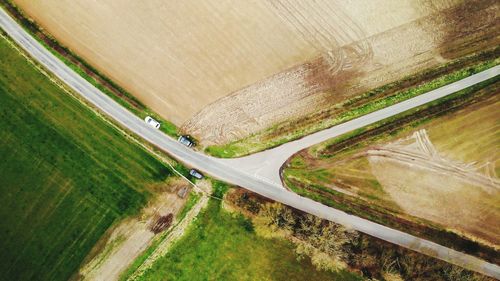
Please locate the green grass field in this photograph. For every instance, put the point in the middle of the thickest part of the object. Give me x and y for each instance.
(65, 175)
(222, 246)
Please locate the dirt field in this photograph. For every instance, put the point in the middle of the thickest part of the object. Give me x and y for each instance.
(192, 54)
(445, 171)
(175, 56)
(464, 196)
(381, 57)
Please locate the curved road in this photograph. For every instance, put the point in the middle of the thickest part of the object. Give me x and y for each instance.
(229, 170)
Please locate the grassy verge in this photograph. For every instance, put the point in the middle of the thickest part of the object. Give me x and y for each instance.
(192, 199)
(223, 246)
(66, 174)
(85, 70)
(362, 104)
(346, 145)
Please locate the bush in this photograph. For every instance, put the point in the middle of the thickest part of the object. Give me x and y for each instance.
(219, 188)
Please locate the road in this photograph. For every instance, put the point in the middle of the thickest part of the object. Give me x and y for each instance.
(229, 170)
(266, 164)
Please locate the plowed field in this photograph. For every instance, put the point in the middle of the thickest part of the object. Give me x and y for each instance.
(241, 66)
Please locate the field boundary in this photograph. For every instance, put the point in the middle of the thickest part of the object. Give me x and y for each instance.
(84, 69)
(361, 104)
(175, 231)
(344, 143)
(161, 156)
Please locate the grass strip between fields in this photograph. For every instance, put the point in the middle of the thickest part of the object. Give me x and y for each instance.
(192, 199)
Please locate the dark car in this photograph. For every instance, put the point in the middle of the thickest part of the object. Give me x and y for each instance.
(186, 140)
(195, 174)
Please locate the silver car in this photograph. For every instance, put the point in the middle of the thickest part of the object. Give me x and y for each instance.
(195, 174)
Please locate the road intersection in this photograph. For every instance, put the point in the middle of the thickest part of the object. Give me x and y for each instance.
(260, 172)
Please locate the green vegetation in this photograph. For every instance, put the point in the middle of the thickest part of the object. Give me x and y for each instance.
(87, 71)
(222, 246)
(330, 245)
(360, 105)
(310, 182)
(66, 175)
(192, 199)
(219, 189)
(413, 118)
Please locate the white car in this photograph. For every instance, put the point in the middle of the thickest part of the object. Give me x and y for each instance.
(151, 122)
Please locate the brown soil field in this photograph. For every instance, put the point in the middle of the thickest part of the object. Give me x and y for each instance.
(241, 66)
(445, 171)
(380, 57)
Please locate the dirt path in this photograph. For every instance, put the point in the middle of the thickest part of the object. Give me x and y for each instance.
(132, 236)
(175, 234)
(236, 173)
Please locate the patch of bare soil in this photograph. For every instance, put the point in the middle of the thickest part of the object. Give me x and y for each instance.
(131, 237)
(176, 233)
(355, 58)
(461, 196)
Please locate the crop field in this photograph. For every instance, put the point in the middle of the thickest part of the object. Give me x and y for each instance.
(228, 69)
(66, 175)
(222, 246)
(320, 86)
(442, 168)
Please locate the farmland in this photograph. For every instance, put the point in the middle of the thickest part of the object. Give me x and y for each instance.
(304, 98)
(365, 103)
(128, 239)
(435, 167)
(415, 151)
(66, 176)
(222, 246)
(270, 67)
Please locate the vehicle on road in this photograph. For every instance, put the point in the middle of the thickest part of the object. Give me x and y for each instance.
(195, 174)
(151, 122)
(235, 173)
(186, 140)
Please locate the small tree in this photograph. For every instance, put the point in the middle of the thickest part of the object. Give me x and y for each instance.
(273, 220)
(323, 261)
(392, 276)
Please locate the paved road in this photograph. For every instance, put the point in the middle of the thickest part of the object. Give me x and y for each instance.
(231, 173)
(266, 164)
